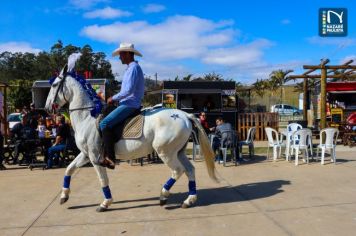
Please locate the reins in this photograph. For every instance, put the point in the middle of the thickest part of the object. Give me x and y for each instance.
(60, 89)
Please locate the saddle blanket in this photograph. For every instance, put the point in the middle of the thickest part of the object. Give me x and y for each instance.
(132, 128)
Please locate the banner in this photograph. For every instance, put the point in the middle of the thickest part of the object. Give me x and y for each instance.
(169, 98)
(100, 90)
(228, 100)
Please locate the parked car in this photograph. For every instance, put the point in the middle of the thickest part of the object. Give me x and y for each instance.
(13, 119)
(284, 109)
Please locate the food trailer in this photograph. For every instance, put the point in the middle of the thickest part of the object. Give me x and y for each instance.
(341, 98)
(216, 98)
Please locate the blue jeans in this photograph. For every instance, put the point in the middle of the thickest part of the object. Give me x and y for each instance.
(54, 152)
(116, 116)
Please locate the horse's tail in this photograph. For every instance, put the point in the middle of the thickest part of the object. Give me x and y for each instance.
(205, 148)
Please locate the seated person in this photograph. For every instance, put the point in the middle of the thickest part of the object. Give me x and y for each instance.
(204, 122)
(220, 134)
(63, 133)
(22, 134)
(2, 167)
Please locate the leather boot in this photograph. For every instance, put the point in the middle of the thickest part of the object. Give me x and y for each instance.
(108, 155)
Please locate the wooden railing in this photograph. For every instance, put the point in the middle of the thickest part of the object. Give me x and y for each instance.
(258, 120)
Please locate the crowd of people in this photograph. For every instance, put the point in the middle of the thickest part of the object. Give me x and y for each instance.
(37, 129)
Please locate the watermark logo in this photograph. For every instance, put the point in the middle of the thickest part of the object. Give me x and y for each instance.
(333, 22)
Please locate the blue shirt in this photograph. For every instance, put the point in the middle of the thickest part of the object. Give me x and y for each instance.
(132, 87)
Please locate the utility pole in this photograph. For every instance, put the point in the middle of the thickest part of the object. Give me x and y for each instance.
(156, 77)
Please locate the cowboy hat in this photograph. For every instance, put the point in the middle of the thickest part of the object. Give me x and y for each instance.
(126, 47)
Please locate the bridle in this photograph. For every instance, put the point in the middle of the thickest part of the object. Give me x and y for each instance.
(60, 89)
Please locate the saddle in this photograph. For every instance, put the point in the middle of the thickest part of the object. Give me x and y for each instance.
(131, 128)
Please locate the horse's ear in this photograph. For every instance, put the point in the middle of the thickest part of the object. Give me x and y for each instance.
(64, 71)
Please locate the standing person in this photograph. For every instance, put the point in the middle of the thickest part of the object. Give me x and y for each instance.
(33, 116)
(130, 96)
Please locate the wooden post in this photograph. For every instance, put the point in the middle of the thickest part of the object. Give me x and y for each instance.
(323, 97)
(305, 99)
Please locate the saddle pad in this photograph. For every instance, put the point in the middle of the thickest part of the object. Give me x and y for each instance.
(133, 128)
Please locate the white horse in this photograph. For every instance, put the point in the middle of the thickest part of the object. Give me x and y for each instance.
(165, 131)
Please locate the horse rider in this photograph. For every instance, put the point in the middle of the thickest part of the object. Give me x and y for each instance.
(129, 98)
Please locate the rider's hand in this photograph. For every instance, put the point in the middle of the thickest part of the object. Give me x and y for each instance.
(110, 101)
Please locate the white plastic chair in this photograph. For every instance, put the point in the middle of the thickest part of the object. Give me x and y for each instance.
(249, 142)
(302, 140)
(291, 128)
(331, 135)
(274, 142)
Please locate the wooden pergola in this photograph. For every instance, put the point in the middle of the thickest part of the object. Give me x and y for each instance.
(326, 71)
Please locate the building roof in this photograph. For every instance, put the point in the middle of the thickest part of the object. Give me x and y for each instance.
(341, 87)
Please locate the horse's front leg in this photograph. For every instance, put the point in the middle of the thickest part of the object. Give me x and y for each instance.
(79, 161)
(104, 181)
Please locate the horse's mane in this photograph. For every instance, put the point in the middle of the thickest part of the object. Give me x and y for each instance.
(88, 89)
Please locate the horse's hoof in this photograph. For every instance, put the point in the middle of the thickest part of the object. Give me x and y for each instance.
(185, 206)
(101, 209)
(63, 200)
(162, 202)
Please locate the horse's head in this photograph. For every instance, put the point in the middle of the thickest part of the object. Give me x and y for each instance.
(56, 96)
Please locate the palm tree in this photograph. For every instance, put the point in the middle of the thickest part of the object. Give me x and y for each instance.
(213, 77)
(277, 79)
(188, 77)
(260, 87)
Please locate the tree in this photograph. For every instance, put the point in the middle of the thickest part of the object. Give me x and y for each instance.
(57, 56)
(213, 77)
(277, 79)
(188, 77)
(20, 96)
(20, 70)
(260, 87)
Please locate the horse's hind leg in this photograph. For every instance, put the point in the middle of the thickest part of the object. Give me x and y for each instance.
(177, 171)
(189, 170)
(79, 161)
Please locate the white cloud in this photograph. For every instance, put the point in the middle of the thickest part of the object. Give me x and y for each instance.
(324, 41)
(86, 4)
(153, 8)
(285, 22)
(240, 55)
(182, 45)
(107, 13)
(175, 38)
(18, 47)
(348, 58)
(164, 71)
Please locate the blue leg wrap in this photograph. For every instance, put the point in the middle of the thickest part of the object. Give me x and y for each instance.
(192, 188)
(169, 184)
(66, 181)
(107, 192)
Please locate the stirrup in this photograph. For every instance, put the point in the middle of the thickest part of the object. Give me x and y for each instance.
(105, 162)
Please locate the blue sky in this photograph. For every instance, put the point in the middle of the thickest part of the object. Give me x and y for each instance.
(241, 40)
